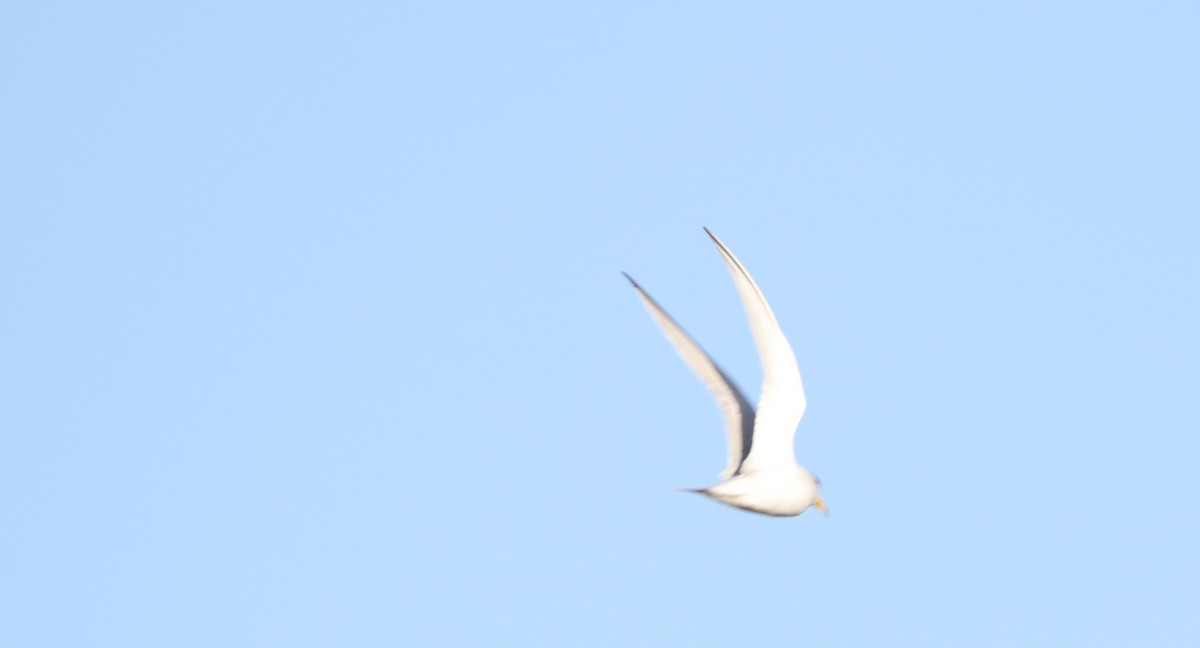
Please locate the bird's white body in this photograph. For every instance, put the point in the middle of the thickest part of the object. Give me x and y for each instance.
(761, 474)
(783, 491)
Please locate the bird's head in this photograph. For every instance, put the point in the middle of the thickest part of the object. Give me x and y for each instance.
(817, 502)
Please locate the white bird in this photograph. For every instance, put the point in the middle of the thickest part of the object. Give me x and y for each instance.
(761, 474)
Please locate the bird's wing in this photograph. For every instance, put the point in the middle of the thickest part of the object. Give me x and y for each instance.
(782, 403)
(739, 415)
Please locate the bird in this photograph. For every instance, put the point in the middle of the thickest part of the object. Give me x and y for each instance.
(761, 474)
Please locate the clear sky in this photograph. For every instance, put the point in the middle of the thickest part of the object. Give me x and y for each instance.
(313, 331)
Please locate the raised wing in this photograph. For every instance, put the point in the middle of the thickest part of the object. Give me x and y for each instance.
(739, 415)
(782, 402)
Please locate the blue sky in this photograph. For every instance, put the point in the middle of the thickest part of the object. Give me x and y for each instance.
(314, 333)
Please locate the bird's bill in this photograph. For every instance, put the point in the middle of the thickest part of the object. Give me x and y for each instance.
(820, 504)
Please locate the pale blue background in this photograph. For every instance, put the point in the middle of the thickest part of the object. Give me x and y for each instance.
(313, 332)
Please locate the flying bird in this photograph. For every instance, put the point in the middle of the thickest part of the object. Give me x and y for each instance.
(761, 474)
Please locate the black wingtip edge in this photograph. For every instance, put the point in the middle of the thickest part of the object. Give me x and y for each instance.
(635, 284)
(716, 241)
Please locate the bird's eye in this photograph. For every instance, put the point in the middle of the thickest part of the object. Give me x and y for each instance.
(817, 479)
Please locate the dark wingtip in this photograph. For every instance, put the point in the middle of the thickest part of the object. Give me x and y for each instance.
(714, 238)
(716, 241)
(635, 284)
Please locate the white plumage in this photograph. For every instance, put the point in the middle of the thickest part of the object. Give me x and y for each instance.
(761, 473)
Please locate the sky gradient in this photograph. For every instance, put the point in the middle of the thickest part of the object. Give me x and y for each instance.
(314, 332)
